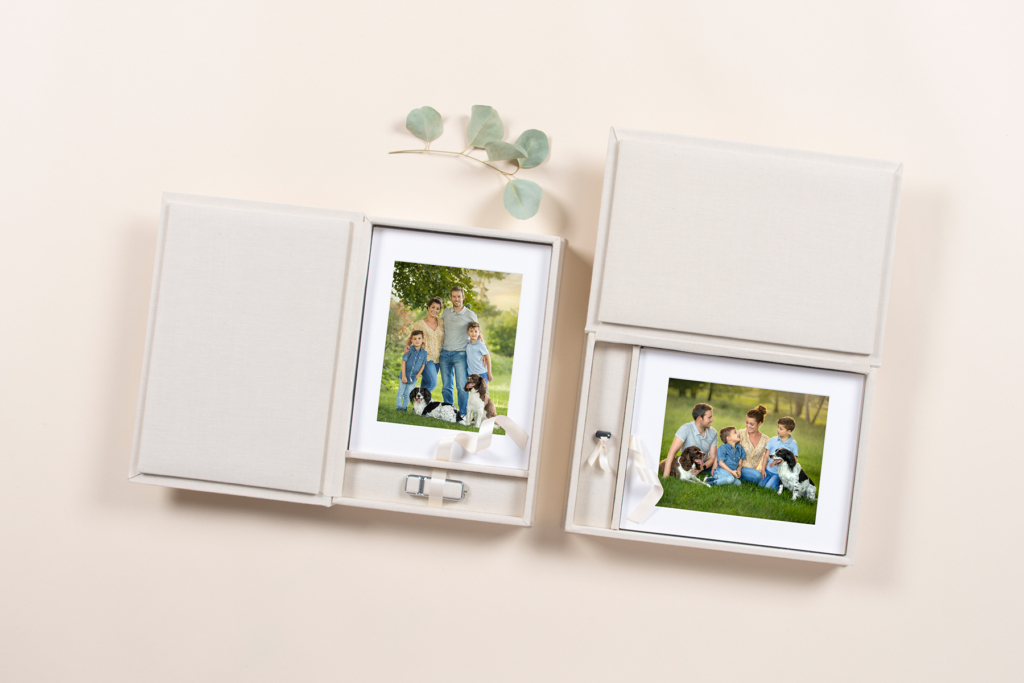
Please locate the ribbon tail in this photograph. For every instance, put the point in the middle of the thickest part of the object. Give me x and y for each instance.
(600, 456)
(642, 511)
(474, 443)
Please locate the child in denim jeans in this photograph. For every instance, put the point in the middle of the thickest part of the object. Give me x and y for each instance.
(729, 456)
(783, 440)
(413, 361)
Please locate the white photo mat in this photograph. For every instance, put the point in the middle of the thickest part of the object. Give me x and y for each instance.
(532, 261)
(845, 392)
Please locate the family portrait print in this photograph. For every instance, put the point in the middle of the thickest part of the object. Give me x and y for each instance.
(450, 346)
(742, 451)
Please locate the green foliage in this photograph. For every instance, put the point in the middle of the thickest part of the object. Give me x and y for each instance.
(485, 131)
(484, 126)
(501, 334)
(424, 123)
(415, 283)
(503, 151)
(522, 198)
(535, 143)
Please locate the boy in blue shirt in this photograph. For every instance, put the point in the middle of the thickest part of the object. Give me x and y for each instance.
(729, 456)
(478, 358)
(783, 440)
(413, 362)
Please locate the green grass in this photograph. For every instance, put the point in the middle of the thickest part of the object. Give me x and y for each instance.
(746, 500)
(501, 371)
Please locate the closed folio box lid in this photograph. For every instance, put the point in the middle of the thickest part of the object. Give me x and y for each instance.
(745, 242)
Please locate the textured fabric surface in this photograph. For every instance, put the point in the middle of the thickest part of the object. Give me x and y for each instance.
(748, 242)
(242, 349)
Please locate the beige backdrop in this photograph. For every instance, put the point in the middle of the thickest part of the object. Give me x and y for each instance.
(103, 105)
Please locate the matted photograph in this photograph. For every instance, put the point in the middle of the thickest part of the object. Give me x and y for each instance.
(451, 335)
(745, 451)
(450, 346)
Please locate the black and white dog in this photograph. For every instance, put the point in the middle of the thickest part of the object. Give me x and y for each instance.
(792, 476)
(422, 405)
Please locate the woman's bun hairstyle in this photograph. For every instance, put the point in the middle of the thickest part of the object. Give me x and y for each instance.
(758, 413)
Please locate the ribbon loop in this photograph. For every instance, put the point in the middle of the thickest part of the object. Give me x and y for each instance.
(600, 454)
(474, 443)
(642, 511)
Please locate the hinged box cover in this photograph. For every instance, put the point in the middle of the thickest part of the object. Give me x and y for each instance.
(258, 319)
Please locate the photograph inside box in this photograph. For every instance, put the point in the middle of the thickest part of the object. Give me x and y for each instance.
(736, 450)
(744, 451)
(451, 336)
(450, 346)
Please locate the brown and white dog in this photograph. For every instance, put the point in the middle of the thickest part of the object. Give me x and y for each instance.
(687, 464)
(479, 404)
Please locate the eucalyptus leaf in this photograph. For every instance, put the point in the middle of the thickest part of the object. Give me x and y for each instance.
(522, 198)
(502, 151)
(424, 123)
(484, 126)
(535, 142)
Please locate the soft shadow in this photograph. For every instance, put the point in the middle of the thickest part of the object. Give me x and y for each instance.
(921, 247)
(127, 340)
(343, 518)
(766, 571)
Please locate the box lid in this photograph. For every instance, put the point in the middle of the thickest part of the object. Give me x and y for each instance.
(743, 242)
(244, 327)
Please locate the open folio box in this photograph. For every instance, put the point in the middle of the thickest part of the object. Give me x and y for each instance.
(731, 278)
(274, 353)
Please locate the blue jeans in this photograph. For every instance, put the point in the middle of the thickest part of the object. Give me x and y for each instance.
(722, 478)
(402, 402)
(771, 481)
(428, 380)
(750, 474)
(453, 374)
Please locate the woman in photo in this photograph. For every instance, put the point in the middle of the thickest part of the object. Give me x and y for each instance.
(754, 442)
(432, 328)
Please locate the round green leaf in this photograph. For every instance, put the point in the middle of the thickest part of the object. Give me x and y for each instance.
(501, 151)
(484, 126)
(424, 123)
(522, 198)
(535, 142)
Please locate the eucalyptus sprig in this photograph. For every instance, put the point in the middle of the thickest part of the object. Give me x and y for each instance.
(485, 131)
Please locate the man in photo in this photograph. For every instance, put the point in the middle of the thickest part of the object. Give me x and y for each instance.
(453, 349)
(698, 433)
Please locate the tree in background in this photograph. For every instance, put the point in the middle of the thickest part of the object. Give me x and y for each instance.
(415, 283)
(501, 333)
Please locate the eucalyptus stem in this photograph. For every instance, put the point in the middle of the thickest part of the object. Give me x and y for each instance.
(461, 154)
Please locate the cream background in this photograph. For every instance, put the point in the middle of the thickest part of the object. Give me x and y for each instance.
(103, 105)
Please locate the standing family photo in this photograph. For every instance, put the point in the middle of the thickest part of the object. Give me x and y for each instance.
(752, 443)
(451, 332)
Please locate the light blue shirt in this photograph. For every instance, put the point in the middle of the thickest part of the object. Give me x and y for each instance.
(690, 436)
(730, 456)
(414, 360)
(475, 352)
(775, 443)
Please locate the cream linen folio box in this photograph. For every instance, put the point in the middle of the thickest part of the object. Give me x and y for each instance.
(265, 323)
(737, 261)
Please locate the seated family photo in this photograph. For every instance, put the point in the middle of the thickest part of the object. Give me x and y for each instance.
(742, 451)
(450, 346)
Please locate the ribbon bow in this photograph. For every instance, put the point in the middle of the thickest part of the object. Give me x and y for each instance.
(642, 511)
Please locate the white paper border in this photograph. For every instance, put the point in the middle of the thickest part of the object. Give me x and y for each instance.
(845, 391)
(531, 260)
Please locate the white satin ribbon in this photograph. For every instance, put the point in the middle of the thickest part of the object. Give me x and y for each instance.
(642, 511)
(600, 455)
(435, 488)
(474, 443)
